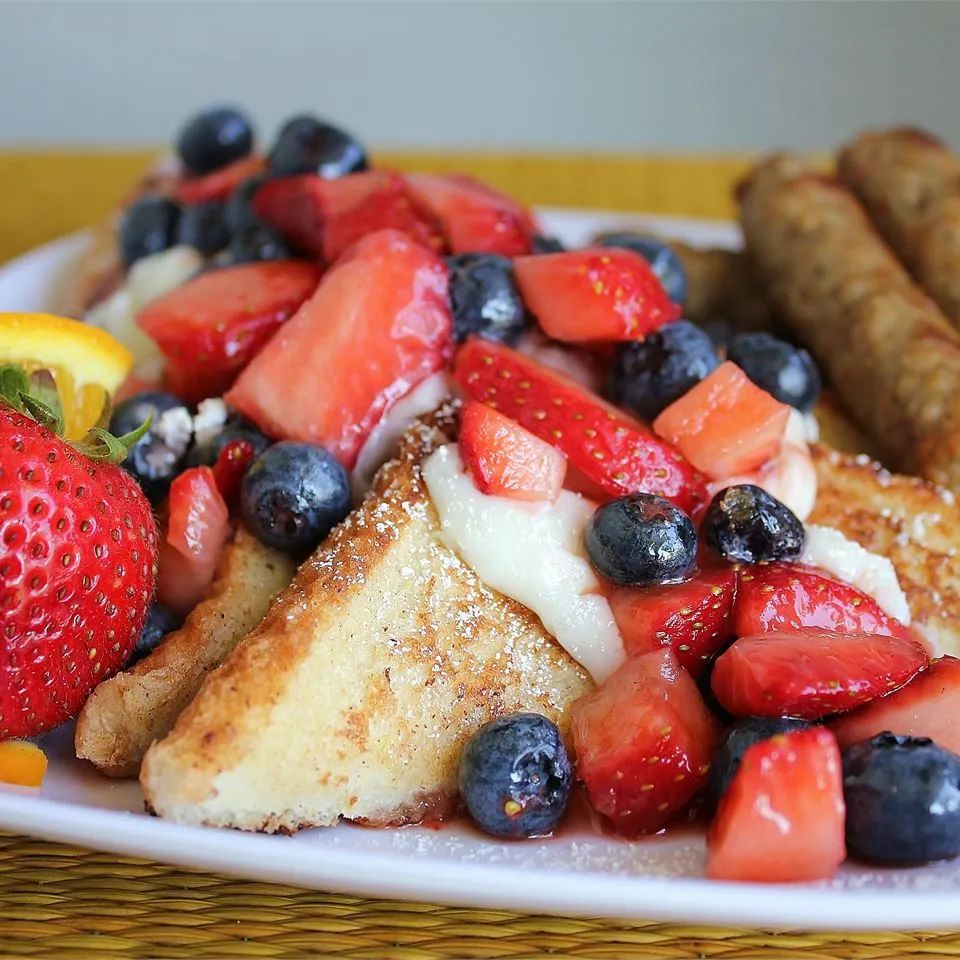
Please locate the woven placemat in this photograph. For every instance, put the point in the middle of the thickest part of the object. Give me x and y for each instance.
(67, 902)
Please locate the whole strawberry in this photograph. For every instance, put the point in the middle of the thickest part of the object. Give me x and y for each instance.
(78, 554)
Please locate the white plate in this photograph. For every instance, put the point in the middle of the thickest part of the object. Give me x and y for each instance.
(586, 874)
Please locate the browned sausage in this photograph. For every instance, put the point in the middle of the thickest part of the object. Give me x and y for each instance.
(889, 352)
(909, 183)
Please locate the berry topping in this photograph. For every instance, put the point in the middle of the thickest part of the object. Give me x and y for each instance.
(505, 460)
(308, 145)
(473, 217)
(693, 618)
(77, 565)
(811, 673)
(258, 244)
(783, 370)
(649, 375)
(594, 294)
(158, 456)
(212, 139)
(515, 776)
(137, 409)
(725, 425)
(484, 298)
(543, 244)
(231, 465)
(903, 800)
(293, 494)
(212, 326)
(160, 621)
(745, 523)
(643, 740)
(928, 706)
(219, 185)
(788, 597)
(198, 525)
(236, 428)
(148, 226)
(203, 227)
(641, 539)
(663, 261)
(737, 740)
(781, 820)
(376, 326)
(616, 454)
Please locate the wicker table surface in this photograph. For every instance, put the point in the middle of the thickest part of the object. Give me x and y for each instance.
(66, 902)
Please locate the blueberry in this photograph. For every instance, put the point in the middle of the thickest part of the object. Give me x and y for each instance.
(157, 457)
(238, 212)
(903, 800)
(203, 226)
(662, 258)
(641, 539)
(293, 494)
(740, 737)
(308, 145)
(160, 621)
(148, 226)
(214, 138)
(540, 243)
(515, 776)
(786, 371)
(746, 523)
(484, 298)
(238, 428)
(258, 243)
(133, 411)
(648, 375)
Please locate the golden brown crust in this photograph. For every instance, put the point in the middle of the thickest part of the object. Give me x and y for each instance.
(890, 354)
(911, 521)
(354, 696)
(126, 713)
(909, 183)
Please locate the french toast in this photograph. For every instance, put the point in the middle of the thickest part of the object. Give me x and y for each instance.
(126, 713)
(355, 695)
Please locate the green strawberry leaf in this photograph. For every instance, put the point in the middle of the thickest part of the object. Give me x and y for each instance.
(43, 414)
(13, 383)
(104, 447)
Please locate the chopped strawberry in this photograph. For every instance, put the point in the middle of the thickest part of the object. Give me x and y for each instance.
(812, 673)
(210, 328)
(219, 184)
(692, 618)
(928, 706)
(231, 465)
(378, 324)
(594, 294)
(784, 596)
(610, 449)
(474, 218)
(644, 740)
(505, 460)
(782, 817)
(197, 529)
(326, 217)
(726, 425)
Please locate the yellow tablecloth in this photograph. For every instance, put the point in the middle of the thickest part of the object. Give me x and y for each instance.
(63, 902)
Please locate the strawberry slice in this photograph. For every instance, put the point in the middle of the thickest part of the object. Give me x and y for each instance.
(197, 529)
(928, 706)
(612, 451)
(505, 460)
(784, 596)
(644, 740)
(378, 324)
(599, 294)
(325, 217)
(782, 818)
(211, 327)
(726, 425)
(474, 218)
(692, 618)
(812, 673)
(219, 184)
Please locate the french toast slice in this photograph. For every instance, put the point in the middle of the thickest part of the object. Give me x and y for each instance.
(355, 695)
(126, 713)
(913, 522)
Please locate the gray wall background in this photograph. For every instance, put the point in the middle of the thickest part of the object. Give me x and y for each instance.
(591, 74)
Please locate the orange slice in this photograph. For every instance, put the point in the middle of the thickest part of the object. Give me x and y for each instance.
(22, 763)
